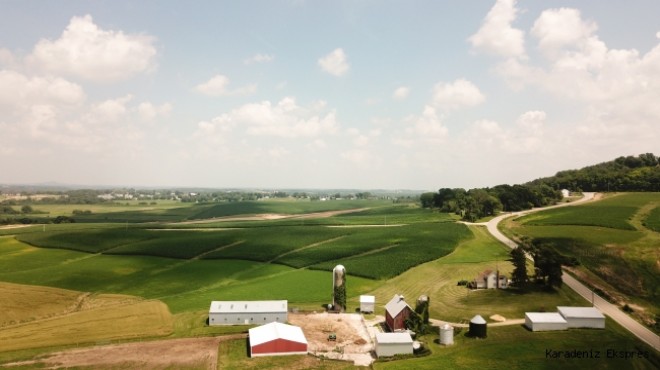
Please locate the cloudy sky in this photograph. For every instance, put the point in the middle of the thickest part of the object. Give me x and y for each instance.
(323, 94)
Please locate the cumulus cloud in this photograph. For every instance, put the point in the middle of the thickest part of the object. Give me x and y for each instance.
(458, 94)
(427, 127)
(285, 119)
(18, 90)
(335, 63)
(259, 58)
(87, 51)
(401, 93)
(149, 111)
(218, 85)
(559, 28)
(496, 35)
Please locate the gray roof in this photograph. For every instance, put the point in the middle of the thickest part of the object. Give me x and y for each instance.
(580, 312)
(545, 317)
(248, 306)
(396, 305)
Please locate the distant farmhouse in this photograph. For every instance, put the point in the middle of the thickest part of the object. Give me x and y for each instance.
(396, 313)
(565, 193)
(247, 312)
(489, 279)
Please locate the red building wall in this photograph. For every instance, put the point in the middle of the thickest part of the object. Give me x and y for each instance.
(398, 322)
(278, 346)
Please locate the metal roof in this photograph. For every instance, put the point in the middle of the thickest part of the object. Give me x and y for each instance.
(276, 330)
(402, 337)
(580, 312)
(477, 319)
(545, 317)
(396, 305)
(367, 299)
(248, 306)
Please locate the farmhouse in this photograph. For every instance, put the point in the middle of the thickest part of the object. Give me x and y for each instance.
(276, 339)
(391, 344)
(490, 279)
(545, 321)
(247, 312)
(582, 317)
(396, 313)
(367, 303)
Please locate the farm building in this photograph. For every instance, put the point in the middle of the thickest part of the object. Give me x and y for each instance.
(478, 327)
(247, 312)
(391, 344)
(545, 321)
(367, 303)
(582, 317)
(396, 313)
(490, 279)
(565, 193)
(276, 339)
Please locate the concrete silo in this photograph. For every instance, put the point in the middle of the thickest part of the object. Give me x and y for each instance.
(446, 334)
(339, 288)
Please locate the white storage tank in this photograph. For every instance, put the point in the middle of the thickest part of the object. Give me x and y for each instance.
(447, 334)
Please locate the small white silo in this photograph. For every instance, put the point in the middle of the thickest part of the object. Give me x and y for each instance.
(447, 334)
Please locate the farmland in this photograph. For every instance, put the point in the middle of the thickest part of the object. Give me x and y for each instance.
(171, 269)
(614, 241)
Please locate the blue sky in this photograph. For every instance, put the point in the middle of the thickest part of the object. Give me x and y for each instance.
(311, 94)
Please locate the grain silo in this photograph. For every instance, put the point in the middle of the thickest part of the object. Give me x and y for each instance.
(478, 327)
(339, 287)
(447, 334)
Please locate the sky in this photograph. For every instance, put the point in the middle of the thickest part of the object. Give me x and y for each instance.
(323, 94)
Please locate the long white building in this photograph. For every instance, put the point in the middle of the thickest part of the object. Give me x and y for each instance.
(247, 312)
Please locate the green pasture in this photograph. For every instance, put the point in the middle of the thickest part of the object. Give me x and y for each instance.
(652, 221)
(515, 347)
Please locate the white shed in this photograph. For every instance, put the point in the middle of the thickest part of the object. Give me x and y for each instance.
(390, 344)
(247, 312)
(367, 303)
(545, 321)
(582, 317)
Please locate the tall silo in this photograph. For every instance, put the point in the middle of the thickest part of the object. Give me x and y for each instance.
(339, 287)
(478, 327)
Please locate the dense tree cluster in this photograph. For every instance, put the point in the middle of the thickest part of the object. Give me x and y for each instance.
(477, 203)
(640, 173)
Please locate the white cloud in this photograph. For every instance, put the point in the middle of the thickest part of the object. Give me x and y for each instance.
(427, 127)
(86, 51)
(560, 28)
(259, 58)
(335, 63)
(285, 119)
(458, 94)
(218, 85)
(401, 93)
(18, 90)
(496, 35)
(149, 111)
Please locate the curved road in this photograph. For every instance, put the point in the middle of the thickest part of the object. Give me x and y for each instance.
(639, 330)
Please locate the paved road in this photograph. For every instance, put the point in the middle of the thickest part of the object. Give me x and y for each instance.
(639, 330)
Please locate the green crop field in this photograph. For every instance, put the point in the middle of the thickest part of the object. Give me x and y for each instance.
(620, 260)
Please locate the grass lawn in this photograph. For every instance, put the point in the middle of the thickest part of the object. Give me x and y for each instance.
(515, 347)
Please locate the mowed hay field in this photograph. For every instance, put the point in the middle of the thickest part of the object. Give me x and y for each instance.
(614, 241)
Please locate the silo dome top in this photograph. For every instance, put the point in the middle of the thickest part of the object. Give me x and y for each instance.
(478, 320)
(340, 267)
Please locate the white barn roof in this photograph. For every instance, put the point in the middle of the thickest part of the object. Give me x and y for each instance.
(580, 312)
(275, 330)
(367, 299)
(402, 337)
(396, 305)
(545, 317)
(248, 306)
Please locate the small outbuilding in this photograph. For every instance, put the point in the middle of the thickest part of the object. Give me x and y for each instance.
(582, 317)
(489, 279)
(397, 312)
(391, 344)
(276, 339)
(367, 303)
(545, 321)
(478, 327)
(247, 312)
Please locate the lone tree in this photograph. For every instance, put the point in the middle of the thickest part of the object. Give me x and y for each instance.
(519, 261)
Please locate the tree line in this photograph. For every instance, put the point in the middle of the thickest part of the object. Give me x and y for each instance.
(474, 204)
(631, 173)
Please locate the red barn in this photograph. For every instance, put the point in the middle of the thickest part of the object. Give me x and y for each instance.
(277, 339)
(396, 313)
